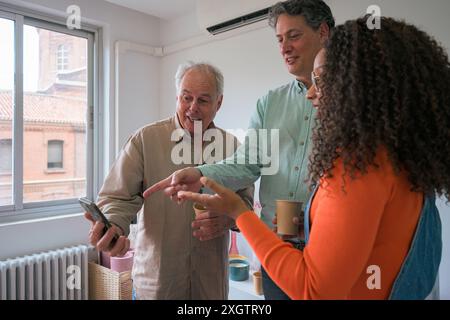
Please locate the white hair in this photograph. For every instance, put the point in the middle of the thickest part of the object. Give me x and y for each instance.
(205, 67)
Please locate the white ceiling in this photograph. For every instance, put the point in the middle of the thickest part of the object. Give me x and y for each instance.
(165, 9)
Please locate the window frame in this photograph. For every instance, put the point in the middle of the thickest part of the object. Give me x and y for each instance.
(20, 211)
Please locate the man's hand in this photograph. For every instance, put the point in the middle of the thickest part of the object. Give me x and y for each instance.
(210, 225)
(187, 179)
(103, 241)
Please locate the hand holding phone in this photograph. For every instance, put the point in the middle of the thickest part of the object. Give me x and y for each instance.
(97, 215)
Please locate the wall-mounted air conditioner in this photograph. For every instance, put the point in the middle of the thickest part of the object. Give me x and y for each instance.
(217, 16)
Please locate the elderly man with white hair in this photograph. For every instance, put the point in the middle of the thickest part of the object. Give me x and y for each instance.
(177, 255)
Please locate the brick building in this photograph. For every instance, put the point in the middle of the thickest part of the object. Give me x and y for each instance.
(54, 124)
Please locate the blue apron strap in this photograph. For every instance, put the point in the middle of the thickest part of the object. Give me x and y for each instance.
(307, 213)
(419, 270)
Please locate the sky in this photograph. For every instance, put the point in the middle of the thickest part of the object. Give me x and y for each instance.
(31, 56)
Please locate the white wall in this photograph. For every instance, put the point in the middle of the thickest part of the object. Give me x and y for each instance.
(117, 23)
(251, 65)
(179, 29)
(39, 235)
(137, 93)
(431, 15)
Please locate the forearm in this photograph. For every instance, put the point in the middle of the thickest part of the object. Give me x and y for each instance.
(120, 197)
(278, 258)
(120, 212)
(233, 176)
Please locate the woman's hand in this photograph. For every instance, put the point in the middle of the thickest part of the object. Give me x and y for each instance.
(296, 221)
(224, 201)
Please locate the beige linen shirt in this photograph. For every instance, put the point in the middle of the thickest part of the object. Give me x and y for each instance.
(169, 262)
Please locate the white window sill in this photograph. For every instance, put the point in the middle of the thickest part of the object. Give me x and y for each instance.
(45, 212)
(58, 170)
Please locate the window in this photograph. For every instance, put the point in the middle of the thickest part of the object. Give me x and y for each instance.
(62, 58)
(55, 154)
(6, 116)
(5, 156)
(47, 128)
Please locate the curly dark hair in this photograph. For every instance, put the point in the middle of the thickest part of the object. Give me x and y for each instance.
(388, 87)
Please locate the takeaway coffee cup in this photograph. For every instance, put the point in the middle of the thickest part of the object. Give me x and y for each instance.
(257, 282)
(286, 210)
(198, 208)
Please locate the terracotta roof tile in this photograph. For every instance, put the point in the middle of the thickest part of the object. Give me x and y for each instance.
(45, 108)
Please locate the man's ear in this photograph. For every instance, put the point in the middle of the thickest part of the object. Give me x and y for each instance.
(219, 102)
(324, 33)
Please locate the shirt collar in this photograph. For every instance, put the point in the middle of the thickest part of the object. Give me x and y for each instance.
(179, 134)
(301, 88)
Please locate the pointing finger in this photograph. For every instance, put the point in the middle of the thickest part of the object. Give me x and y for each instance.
(203, 199)
(158, 187)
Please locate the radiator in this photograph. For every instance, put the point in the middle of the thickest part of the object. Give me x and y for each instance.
(55, 275)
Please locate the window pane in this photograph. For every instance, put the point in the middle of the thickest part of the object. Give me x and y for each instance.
(6, 109)
(5, 156)
(55, 154)
(62, 55)
(55, 106)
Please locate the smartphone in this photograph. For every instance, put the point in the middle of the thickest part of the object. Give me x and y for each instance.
(97, 214)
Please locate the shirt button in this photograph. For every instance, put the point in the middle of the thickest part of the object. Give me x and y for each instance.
(306, 118)
(296, 168)
(291, 194)
(302, 143)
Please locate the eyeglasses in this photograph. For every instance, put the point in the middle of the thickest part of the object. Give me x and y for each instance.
(315, 79)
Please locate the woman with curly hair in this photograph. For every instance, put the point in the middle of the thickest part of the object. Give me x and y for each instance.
(381, 151)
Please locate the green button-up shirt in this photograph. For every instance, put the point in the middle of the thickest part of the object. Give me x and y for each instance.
(287, 109)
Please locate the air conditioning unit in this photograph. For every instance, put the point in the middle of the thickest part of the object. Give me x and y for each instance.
(217, 16)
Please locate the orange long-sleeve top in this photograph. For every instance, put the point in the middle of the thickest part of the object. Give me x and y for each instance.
(371, 222)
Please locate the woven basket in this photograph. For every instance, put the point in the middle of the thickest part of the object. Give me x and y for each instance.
(105, 284)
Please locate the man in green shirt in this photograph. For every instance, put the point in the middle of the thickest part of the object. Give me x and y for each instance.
(302, 27)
